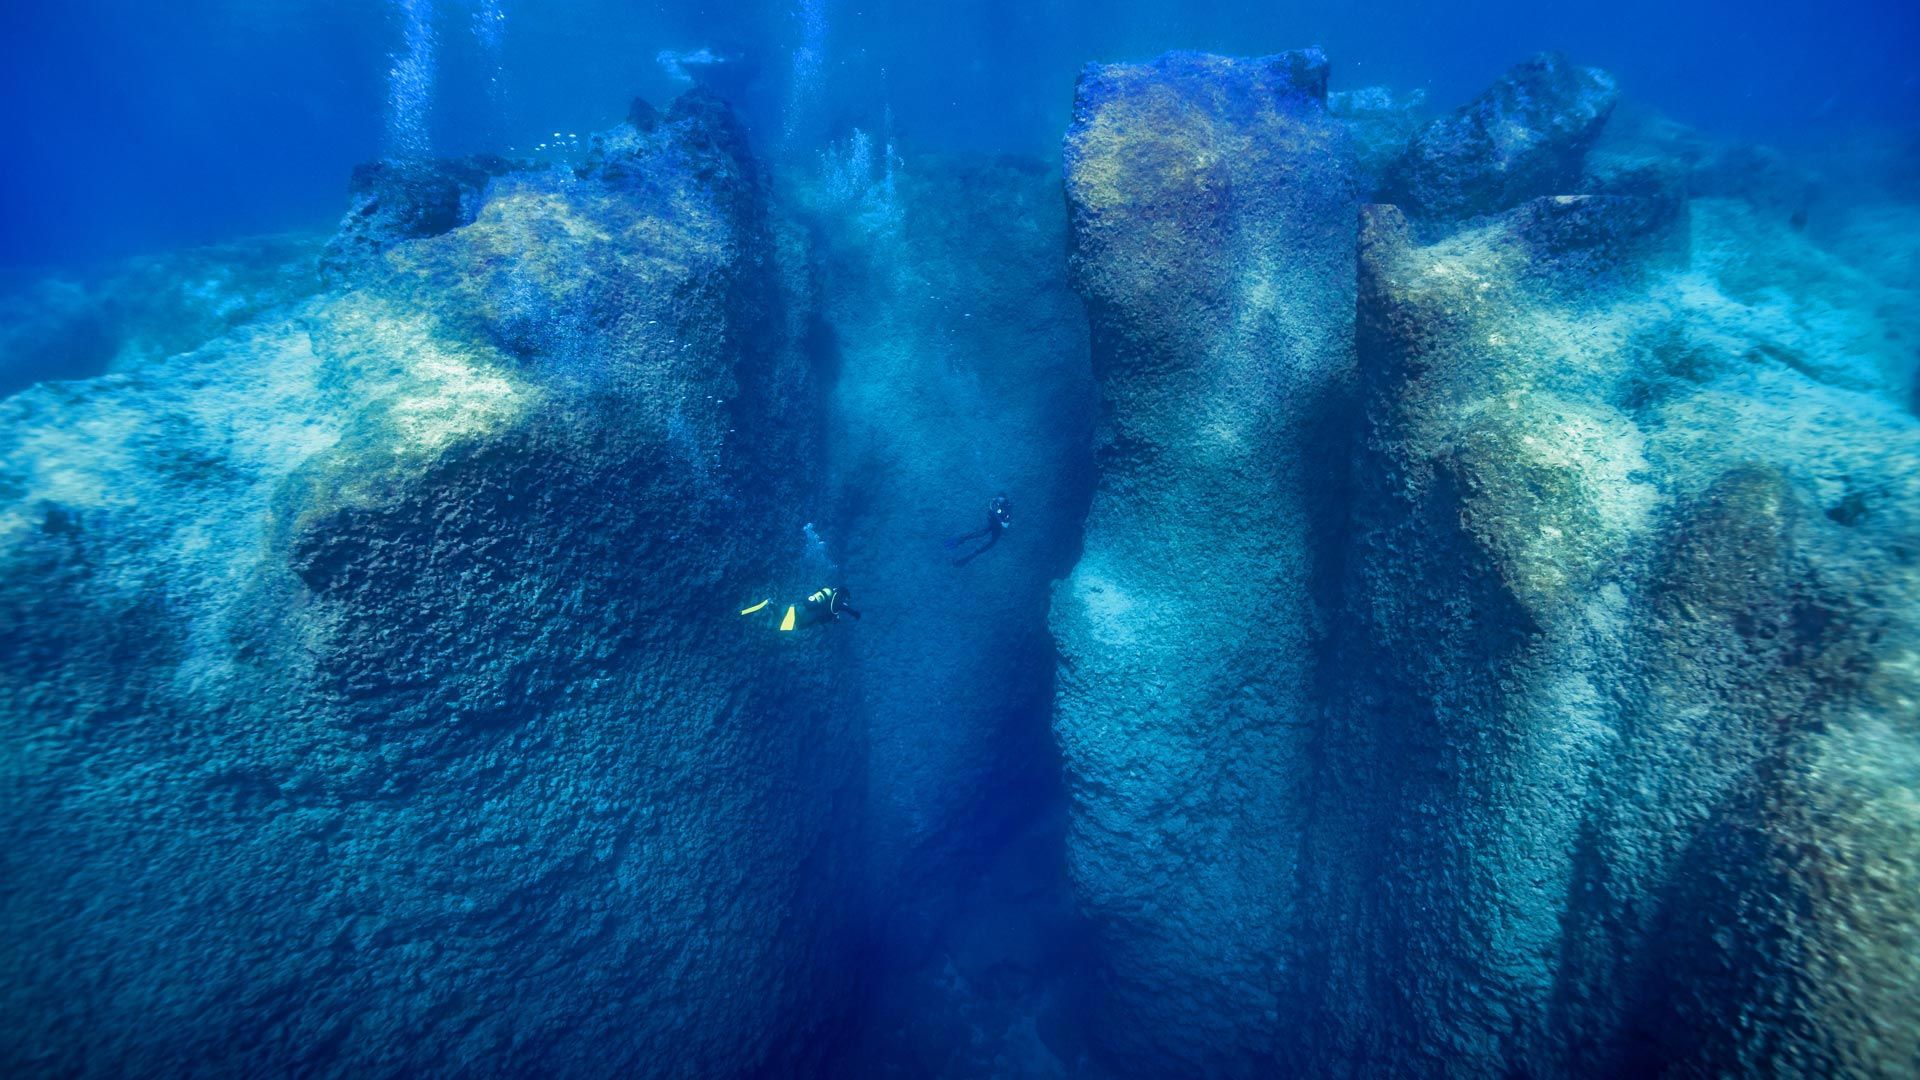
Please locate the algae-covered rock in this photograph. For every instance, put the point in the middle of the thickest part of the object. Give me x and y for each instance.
(1526, 136)
(374, 700)
(1212, 212)
(1617, 659)
(1575, 734)
(396, 200)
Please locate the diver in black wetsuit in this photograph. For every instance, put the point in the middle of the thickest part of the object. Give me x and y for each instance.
(827, 605)
(824, 606)
(999, 517)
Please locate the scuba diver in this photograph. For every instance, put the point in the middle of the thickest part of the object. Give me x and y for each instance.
(824, 606)
(999, 517)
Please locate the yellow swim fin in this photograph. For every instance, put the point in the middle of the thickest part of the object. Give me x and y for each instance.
(787, 623)
(758, 606)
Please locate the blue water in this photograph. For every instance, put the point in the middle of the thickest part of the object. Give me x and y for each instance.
(133, 127)
(1364, 540)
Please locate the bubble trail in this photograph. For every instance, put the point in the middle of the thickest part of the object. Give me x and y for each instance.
(410, 83)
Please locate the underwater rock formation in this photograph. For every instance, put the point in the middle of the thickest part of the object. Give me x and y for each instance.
(133, 312)
(1381, 124)
(1526, 136)
(1581, 738)
(1491, 648)
(1624, 676)
(1212, 209)
(373, 700)
(401, 200)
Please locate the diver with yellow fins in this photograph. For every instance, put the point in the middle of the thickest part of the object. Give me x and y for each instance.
(824, 606)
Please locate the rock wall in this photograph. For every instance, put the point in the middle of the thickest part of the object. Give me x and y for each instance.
(1526, 136)
(1569, 734)
(1212, 209)
(1628, 629)
(1490, 650)
(374, 698)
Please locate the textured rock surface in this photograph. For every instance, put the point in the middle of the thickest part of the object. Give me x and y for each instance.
(1525, 137)
(1213, 220)
(1517, 679)
(1382, 123)
(1625, 677)
(373, 698)
(1605, 762)
(398, 200)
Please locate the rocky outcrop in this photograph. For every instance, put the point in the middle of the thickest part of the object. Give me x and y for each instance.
(1526, 136)
(1608, 672)
(1381, 124)
(1490, 651)
(1569, 735)
(398, 200)
(1212, 214)
(373, 697)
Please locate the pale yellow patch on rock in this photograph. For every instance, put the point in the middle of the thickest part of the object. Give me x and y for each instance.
(441, 390)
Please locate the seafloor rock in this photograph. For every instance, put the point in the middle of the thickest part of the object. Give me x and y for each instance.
(396, 200)
(1382, 123)
(371, 690)
(1633, 594)
(130, 313)
(1212, 211)
(1710, 167)
(1526, 136)
(960, 371)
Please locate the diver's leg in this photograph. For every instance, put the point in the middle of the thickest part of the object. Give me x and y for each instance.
(992, 533)
(956, 541)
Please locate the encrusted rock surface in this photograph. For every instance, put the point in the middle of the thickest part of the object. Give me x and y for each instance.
(396, 200)
(1619, 663)
(1605, 761)
(373, 700)
(1491, 649)
(1212, 210)
(1526, 136)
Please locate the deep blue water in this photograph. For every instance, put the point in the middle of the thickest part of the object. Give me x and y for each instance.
(1459, 615)
(130, 127)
